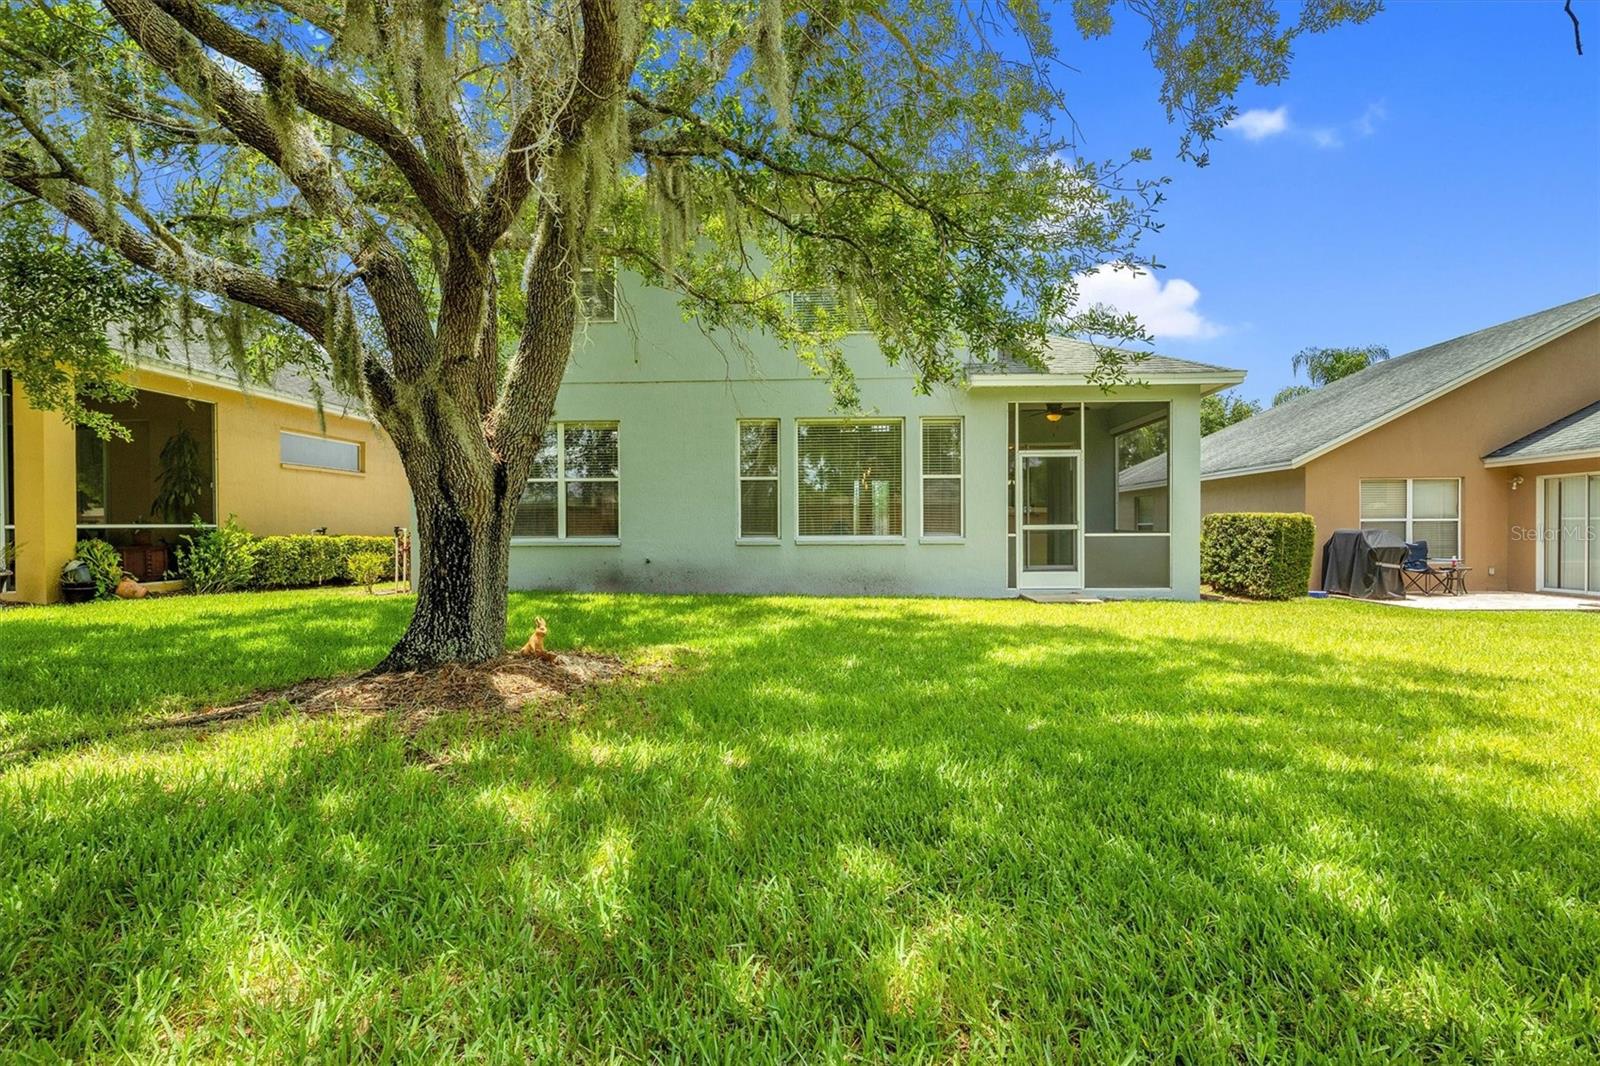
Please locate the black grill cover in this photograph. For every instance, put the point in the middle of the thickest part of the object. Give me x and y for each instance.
(1350, 564)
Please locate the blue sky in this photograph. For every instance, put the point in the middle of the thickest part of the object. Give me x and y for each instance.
(1431, 172)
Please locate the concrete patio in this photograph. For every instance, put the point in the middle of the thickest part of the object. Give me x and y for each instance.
(1500, 601)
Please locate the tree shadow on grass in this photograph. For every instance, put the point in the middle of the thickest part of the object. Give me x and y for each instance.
(881, 830)
(75, 673)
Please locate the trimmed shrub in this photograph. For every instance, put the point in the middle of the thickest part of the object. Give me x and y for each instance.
(104, 562)
(217, 560)
(366, 568)
(1261, 555)
(304, 560)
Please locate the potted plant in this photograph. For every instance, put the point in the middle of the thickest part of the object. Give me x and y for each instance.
(77, 582)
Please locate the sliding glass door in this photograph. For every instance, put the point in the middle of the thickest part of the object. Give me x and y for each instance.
(1569, 534)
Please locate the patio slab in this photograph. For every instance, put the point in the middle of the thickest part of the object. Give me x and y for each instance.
(1500, 601)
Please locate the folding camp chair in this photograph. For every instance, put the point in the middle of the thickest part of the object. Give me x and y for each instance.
(1420, 574)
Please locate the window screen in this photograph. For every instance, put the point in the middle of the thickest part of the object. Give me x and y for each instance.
(597, 293)
(941, 477)
(1436, 516)
(1425, 509)
(324, 453)
(818, 308)
(758, 479)
(574, 489)
(1383, 506)
(850, 478)
(1142, 497)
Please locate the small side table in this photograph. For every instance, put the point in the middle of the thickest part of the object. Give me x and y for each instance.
(1456, 579)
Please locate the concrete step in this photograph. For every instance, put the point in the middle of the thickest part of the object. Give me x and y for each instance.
(1062, 596)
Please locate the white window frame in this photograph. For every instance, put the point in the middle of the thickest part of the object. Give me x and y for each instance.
(959, 478)
(1410, 536)
(560, 481)
(740, 477)
(361, 454)
(847, 538)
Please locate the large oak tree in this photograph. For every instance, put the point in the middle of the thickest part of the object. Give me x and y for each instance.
(403, 194)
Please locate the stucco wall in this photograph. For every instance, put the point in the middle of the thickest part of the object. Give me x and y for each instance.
(250, 482)
(1450, 436)
(1522, 511)
(678, 395)
(46, 499)
(1281, 490)
(269, 497)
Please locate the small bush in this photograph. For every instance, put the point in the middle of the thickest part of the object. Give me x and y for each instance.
(366, 568)
(1263, 556)
(105, 563)
(303, 560)
(217, 560)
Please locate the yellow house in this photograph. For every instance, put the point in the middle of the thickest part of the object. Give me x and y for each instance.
(263, 454)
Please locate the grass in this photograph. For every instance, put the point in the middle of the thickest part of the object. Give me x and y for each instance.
(916, 830)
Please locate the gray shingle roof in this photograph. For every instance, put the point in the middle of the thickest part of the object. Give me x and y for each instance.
(1577, 434)
(1282, 437)
(1065, 356)
(197, 359)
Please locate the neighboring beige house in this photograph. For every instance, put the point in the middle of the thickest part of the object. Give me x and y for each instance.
(1486, 446)
(269, 455)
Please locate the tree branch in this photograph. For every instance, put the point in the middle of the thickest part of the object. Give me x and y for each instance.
(40, 135)
(384, 270)
(183, 264)
(601, 73)
(324, 100)
(441, 127)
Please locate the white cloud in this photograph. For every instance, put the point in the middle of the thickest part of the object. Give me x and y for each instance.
(1367, 124)
(1258, 123)
(1166, 309)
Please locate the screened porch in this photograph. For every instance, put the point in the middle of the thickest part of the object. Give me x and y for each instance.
(143, 492)
(1088, 495)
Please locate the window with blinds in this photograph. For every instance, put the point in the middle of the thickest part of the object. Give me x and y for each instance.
(597, 292)
(850, 478)
(574, 489)
(819, 308)
(1383, 506)
(942, 509)
(321, 453)
(1425, 509)
(758, 479)
(1436, 516)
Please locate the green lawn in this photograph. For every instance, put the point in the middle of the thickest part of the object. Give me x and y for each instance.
(838, 830)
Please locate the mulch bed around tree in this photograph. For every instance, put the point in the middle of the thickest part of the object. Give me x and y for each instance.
(499, 688)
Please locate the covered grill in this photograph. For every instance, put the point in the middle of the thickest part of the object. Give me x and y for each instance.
(1364, 564)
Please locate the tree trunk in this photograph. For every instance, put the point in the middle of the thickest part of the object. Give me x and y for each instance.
(467, 454)
(460, 614)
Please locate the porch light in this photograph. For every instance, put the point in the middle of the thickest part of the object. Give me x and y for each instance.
(1052, 412)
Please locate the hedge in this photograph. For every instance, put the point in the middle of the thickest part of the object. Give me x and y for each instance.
(301, 560)
(1263, 556)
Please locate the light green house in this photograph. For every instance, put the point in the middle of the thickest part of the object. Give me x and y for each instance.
(686, 462)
